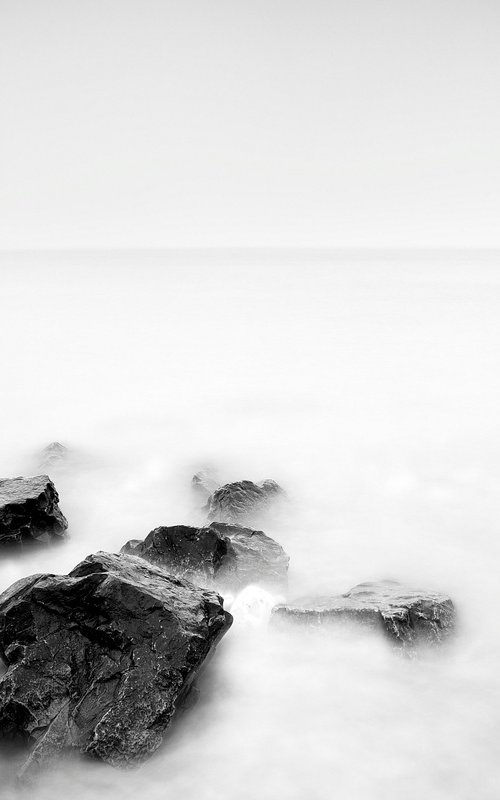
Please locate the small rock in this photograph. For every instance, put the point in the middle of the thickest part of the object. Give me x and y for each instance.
(54, 455)
(407, 616)
(242, 500)
(29, 512)
(228, 556)
(100, 659)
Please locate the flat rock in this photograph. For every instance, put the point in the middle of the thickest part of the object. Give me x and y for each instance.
(242, 500)
(407, 616)
(229, 556)
(29, 512)
(100, 659)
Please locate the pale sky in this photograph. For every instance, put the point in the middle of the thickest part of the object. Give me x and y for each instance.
(212, 123)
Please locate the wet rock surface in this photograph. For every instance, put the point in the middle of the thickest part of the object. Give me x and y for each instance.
(242, 500)
(100, 659)
(229, 556)
(29, 512)
(407, 616)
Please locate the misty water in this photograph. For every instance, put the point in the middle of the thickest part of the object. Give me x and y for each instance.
(368, 387)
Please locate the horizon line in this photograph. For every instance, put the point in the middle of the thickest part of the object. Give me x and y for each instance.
(253, 248)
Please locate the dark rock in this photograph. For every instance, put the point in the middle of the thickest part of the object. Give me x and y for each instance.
(29, 511)
(183, 550)
(406, 615)
(227, 555)
(100, 659)
(54, 455)
(242, 500)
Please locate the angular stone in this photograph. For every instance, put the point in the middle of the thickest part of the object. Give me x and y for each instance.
(100, 659)
(29, 511)
(408, 616)
(228, 556)
(242, 500)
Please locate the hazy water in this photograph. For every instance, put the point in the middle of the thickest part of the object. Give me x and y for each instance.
(368, 389)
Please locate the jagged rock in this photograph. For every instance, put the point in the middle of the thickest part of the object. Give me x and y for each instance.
(227, 555)
(54, 455)
(100, 659)
(29, 511)
(242, 500)
(407, 616)
(204, 483)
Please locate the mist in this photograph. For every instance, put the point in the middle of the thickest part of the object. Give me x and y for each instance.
(368, 388)
(249, 123)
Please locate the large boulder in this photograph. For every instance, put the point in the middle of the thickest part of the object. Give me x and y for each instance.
(100, 659)
(228, 556)
(407, 616)
(243, 500)
(29, 511)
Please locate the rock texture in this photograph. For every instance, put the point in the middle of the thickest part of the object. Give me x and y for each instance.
(29, 511)
(242, 500)
(99, 659)
(407, 616)
(229, 556)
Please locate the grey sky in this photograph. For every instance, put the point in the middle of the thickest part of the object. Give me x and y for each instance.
(233, 123)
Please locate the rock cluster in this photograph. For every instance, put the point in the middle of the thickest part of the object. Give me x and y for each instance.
(29, 511)
(406, 615)
(99, 659)
(229, 556)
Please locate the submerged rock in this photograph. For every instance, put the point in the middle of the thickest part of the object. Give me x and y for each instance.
(242, 500)
(407, 616)
(204, 483)
(100, 659)
(227, 555)
(54, 455)
(29, 511)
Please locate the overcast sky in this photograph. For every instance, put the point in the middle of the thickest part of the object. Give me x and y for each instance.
(249, 122)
